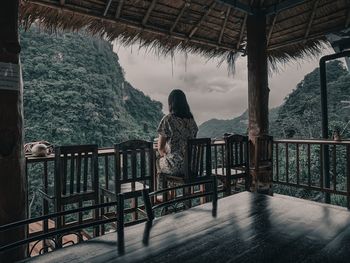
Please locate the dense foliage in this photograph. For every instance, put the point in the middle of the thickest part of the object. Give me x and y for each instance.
(75, 93)
(300, 114)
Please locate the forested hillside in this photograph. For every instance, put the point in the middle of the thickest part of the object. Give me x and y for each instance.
(75, 92)
(300, 114)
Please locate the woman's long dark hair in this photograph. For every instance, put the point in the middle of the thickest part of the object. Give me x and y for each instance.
(178, 105)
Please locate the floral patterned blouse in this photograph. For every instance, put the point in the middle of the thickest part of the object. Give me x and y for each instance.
(176, 130)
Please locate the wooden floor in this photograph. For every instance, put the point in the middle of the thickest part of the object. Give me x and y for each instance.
(248, 228)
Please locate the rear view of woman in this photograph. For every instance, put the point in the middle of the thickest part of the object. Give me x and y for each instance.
(174, 130)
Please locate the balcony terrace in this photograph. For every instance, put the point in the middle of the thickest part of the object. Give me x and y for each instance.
(88, 192)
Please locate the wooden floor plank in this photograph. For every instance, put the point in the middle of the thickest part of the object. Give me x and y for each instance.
(248, 228)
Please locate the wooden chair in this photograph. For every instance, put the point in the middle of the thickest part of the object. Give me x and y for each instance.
(263, 157)
(236, 163)
(197, 166)
(134, 171)
(75, 182)
(197, 163)
(210, 191)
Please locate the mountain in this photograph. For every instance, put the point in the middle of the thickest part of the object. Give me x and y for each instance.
(300, 114)
(215, 128)
(75, 92)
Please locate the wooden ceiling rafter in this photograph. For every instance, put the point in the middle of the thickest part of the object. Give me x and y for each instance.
(107, 7)
(272, 26)
(119, 9)
(241, 32)
(196, 27)
(182, 11)
(148, 13)
(311, 20)
(228, 10)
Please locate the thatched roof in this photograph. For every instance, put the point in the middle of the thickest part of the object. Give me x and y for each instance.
(209, 27)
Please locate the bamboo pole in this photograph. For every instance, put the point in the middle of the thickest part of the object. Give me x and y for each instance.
(12, 175)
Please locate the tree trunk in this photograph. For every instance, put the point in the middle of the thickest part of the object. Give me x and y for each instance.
(12, 176)
(258, 92)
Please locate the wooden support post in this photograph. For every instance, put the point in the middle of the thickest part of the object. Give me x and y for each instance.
(258, 93)
(12, 174)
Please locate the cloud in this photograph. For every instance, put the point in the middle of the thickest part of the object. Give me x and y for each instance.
(211, 92)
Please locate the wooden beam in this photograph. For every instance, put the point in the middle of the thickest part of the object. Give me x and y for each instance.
(271, 29)
(241, 32)
(148, 13)
(196, 27)
(312, 16)
(258, 93)
(119, 9)
(184, 7)
(224, 24)
(107, 7)
(12, 175)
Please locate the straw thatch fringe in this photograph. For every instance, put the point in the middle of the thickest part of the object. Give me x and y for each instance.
(286, 40)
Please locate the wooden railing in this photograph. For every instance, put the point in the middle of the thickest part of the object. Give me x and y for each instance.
(317, 166)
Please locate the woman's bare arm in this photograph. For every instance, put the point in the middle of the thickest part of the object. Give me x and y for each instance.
(161, 145)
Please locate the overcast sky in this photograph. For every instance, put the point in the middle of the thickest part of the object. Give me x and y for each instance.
(211, 92)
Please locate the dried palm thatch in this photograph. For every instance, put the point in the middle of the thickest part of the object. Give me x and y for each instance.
(211, 28)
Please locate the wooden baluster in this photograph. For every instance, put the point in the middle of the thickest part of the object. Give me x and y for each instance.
(321, 167)
(309, 165)
(277, 164)
(334, 167)
(45, 205)
(71, 181)
(106, 182)
(143, 163)
(64, 178)
(348, 175)
(216, 158)
(223, 158)
(297, 163)
(78, 184)
(134, 203)
(125, 165)
(287, 163)
(86, 169)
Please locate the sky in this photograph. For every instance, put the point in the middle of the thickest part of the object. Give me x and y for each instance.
(210, 90)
